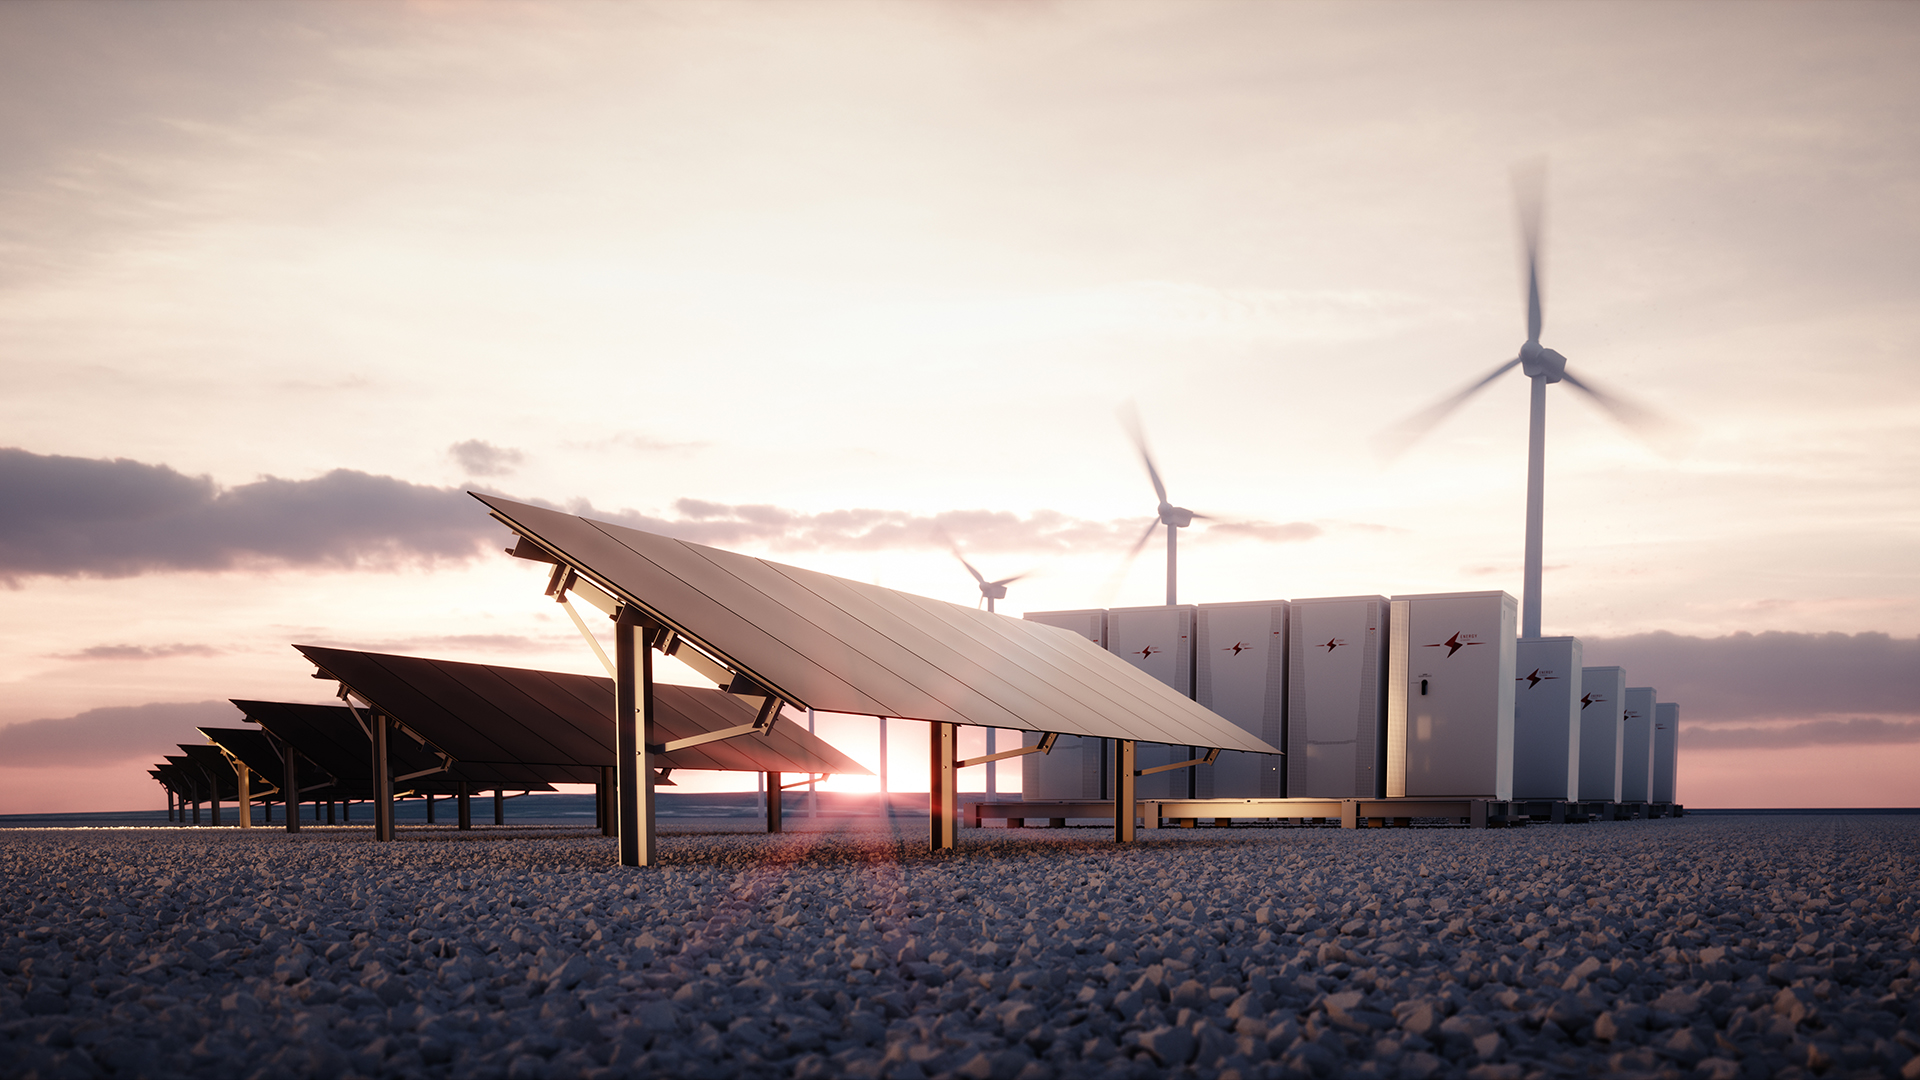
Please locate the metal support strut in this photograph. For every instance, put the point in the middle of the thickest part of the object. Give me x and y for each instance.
(633, 731)
(383, 829)
(943, 795)
(1125, 781)
(773, 802)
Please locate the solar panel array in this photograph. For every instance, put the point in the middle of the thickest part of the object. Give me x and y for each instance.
(558, 727)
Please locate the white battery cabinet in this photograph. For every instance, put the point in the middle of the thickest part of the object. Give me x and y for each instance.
(1546, 718)
(1636, 746)
(1666, 752)
(1158, 641)
(1240, 672)
(1076, 767)
(1450, 679)
(1603, 705)
(1336, 697)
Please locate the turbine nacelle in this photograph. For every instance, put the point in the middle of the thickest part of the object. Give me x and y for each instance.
(993, 590)
(1537, 360)
(1177, 516)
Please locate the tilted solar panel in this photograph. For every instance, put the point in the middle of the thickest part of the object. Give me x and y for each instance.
(559, 724)
(843, 646)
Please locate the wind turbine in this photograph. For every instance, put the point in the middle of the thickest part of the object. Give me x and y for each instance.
(989, 590)
(1544, 366)
(1173, 517)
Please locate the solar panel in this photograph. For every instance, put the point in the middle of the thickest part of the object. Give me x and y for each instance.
(827, 643)
(559, 726)
(332, 741)
(253, 748)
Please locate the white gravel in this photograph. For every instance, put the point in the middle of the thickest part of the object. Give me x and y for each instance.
(1709, 946)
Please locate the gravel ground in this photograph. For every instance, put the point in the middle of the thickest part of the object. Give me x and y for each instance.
(1717, 947)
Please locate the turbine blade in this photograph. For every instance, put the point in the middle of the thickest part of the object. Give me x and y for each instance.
(1655, 428)
(1394, 441)
(1119, 578)
(1529, 191)
(1130, 418)
(1014, 578)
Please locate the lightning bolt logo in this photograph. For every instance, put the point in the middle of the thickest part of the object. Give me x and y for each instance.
(1454, 644)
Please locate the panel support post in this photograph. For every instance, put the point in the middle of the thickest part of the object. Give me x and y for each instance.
(243, 777)
(430, 820)
(213, 797)
(633, 731)
(603, 793)
(329, 811)
(290, 788)
(943, 795)
(1124, 785)
(466, 806)
(773, 802)
(499, 806)
(382, 779)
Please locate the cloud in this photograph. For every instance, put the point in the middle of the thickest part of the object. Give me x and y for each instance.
(119, 733)
(780, 529)
(138, 652)
(1776, 674)
(508, 643)
(87, 517)
(485, 459)
(1859, 731)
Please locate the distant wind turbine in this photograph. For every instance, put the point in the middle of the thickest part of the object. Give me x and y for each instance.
(989, 590)
(1543, 366)
(1173, 517)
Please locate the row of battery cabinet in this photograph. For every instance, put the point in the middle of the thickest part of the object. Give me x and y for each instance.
(1371, 697)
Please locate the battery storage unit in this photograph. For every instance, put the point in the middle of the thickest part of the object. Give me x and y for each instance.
(1240, 672)
(1546, 718)
(1076, 767)
(1603, 705)
(1450, 661)
(1666, 752)
(1636, 746)
(1336, 698)
(1158, 641)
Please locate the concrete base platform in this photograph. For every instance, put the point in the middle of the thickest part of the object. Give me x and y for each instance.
(1347, 813)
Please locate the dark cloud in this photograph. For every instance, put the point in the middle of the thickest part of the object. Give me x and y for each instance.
(87, 517)
(105, 736)
(1772, 675)
(485, 459)
(139, 652)
(1860, 731)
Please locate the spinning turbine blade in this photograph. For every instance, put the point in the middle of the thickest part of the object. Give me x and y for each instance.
(1394, 441)
(1641, 420)
(1130, 417)
(1152, 527)
(1010, 580)
(1529, 187)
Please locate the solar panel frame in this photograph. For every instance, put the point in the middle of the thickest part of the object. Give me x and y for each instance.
(842, 646)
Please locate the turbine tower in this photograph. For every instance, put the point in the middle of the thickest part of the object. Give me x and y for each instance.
(1543, 366)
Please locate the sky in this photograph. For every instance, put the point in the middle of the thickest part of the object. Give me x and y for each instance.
(833, 283)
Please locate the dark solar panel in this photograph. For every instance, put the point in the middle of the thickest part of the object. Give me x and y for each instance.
(560, 724)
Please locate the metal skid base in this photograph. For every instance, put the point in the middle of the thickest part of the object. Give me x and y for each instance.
(1347, 813)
